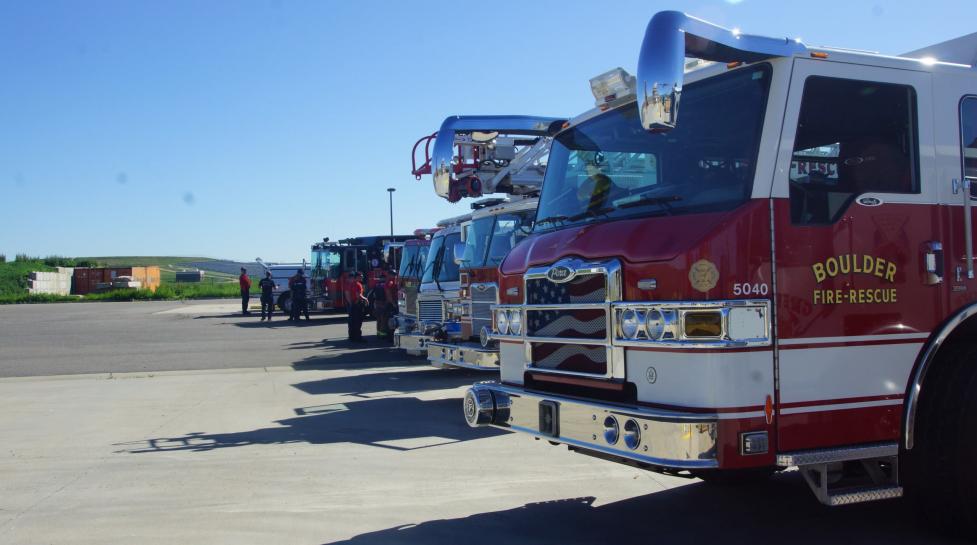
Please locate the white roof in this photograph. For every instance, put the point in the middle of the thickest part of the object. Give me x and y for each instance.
(962, 50)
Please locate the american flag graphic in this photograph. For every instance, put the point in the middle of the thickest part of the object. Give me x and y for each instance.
(569, 323)
(588, 288)
(570, 357)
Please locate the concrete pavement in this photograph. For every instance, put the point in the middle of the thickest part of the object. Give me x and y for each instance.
(351, 448)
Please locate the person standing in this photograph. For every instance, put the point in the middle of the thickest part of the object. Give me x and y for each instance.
(245, 283)
(267, 286)
(297, 286)
(357, 307)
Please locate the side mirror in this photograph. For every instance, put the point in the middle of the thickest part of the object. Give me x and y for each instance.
(459, 252)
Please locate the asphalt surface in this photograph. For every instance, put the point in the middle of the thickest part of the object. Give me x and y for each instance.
(73, 338)
(313, 443)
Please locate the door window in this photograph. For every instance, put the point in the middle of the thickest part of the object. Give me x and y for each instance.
(853, 137)
(968, 134)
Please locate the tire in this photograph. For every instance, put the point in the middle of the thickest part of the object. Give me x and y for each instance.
(735, 477)
(285, 303)
(940, 473)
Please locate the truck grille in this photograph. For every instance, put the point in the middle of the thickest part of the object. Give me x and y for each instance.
(576, 358)
(582, 289)
(483, 297)
(430, 310)
(567, 323)
(410, 301)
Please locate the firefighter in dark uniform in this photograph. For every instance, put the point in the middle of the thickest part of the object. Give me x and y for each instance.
(357, 307)
(267, 286)
(299, 304)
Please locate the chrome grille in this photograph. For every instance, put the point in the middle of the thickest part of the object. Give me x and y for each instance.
(567, 323)
(483, 297)
(410, 301)
(582, 289)
(430, 310)
(573, 358)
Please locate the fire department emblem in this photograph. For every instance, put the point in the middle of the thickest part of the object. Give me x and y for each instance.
(703, 275)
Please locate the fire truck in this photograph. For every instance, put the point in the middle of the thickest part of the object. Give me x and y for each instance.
(476, 155)
(756, 255)
(333, 262)
(439, 288)
(412, 261)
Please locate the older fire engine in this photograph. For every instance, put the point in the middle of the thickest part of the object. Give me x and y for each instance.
(509, 153)
(754, 263)
(439, 288)
(412, 261)
(332, 262)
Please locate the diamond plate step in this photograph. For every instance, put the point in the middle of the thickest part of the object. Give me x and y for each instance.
(872, 493)
(841, 454)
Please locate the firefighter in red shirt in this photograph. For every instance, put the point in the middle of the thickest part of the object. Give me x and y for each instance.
(245, 283)
(357, 307)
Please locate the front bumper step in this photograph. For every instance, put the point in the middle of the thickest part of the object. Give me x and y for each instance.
(466, 355)
(665, 439)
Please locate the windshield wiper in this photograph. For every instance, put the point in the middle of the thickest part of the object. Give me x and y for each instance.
(663, 201)
(552, 219)
(592, 213)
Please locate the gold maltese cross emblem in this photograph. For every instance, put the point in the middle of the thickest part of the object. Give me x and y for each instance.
(703, 275)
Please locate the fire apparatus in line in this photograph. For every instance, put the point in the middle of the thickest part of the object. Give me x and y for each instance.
(439, 287)
(509, 154)
(693, 300)
(412, 261)
(332, 262)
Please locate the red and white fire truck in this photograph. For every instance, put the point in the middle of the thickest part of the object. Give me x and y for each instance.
(758, 258)
(509, 154)
(333, 262)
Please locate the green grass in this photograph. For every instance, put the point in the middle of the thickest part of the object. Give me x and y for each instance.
(14, 274)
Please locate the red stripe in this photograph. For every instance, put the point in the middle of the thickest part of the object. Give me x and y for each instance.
(851, 343)
(839, 401)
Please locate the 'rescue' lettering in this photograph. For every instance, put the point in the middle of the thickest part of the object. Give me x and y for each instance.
(854, 264)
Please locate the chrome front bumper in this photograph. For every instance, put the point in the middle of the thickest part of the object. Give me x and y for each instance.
(414, 344)
(665, 438)
(467, 355)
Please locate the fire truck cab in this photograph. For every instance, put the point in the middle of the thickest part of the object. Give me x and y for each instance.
(439, 288)
(412, 260)
(496, 226)
(757, 259)
(333, 262)
(472, 156)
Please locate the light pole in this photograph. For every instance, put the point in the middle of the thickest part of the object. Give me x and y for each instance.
(391, 190)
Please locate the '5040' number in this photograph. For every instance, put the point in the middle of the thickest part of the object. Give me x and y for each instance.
(750, 289)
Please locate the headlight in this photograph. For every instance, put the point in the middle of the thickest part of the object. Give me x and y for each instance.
(631, 321)
(502, 321)
(515, 322)
(654, 324)
(703, 324)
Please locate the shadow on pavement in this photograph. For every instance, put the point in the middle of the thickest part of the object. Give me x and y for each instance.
(341, 354)
(401, 424)
(401, 382)
(781, 511)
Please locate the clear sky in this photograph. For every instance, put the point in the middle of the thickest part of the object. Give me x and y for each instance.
(252, 128)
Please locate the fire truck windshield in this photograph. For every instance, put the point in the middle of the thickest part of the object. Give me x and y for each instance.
(326, 263)
(412, 260)
(608, 167)
(489, 239)
(441, 266)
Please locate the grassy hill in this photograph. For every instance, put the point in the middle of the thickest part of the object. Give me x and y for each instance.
(220, 277)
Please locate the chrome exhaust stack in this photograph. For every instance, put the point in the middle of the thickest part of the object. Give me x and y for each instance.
(485, 407)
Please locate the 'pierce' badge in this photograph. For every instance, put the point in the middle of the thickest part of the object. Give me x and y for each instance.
(703, 275)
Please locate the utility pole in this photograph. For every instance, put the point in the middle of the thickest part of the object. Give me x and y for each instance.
(391, 190)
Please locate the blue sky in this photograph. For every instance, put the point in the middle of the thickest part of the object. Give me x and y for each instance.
(251, 128)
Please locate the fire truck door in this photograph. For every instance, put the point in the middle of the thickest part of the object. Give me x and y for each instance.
(959, 274)
(853, 223)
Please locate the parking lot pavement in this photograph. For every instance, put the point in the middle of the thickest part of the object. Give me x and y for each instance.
(341, 447)
(73, 338)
